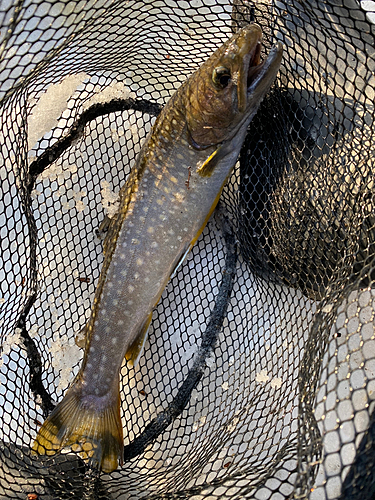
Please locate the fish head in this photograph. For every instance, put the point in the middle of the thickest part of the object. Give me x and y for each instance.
(225, 93)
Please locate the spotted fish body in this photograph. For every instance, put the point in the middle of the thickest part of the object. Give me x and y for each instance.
(165, 204)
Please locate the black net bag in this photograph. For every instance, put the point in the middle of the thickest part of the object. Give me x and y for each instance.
(258, 376)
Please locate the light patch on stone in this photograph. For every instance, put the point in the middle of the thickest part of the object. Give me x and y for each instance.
(50, 107)
(262, 377)
(79, 204)
(199, 423)
(12, 340)
(276, 383)
(110, 200)
(117, 90)
(65, 354)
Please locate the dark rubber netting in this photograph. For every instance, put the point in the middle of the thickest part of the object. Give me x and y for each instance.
(258, 378)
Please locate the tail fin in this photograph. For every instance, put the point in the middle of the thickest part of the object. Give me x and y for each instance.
(91, 425)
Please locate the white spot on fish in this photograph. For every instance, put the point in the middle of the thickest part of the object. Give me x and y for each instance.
(120, 322)
(108, 329)
(136, 276)
(135, 241)
(139, 261)
(122, 256)
(130, 289)
(97, 337)
(179, 197)
(150, 230)
(154, 244)
(147, 280)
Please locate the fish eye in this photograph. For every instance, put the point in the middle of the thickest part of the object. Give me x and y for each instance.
(221, 77)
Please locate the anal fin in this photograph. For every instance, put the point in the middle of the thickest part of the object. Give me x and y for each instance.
(135, 350)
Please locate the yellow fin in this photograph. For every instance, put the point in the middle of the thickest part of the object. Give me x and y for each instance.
(135, 350)
(209, 165)
(91, 426)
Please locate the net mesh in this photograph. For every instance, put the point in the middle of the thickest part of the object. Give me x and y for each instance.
(258, 377)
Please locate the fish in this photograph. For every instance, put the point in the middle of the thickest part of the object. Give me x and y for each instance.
(165, 204)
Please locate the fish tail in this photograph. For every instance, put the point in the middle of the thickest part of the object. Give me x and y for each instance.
(89, 424)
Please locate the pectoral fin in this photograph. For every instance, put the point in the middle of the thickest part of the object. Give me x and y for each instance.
(209, 165)
(135, 350)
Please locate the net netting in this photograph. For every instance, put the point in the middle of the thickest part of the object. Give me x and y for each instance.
(258, 377)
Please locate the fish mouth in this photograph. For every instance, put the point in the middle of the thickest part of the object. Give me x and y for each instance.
(255, 73)
(255, 64)
(261, 74)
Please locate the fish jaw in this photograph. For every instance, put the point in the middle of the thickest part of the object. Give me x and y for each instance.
(261, 78)
(217, 107)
